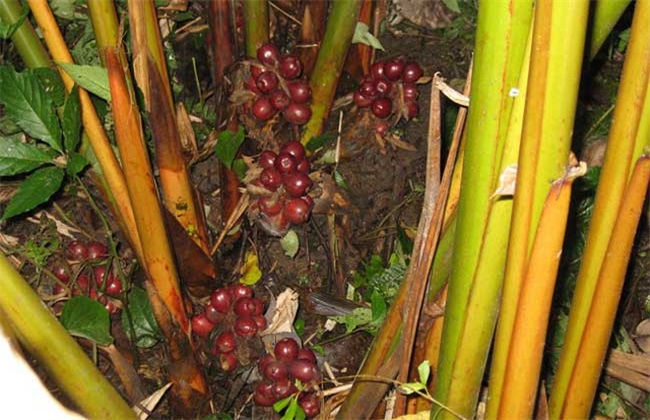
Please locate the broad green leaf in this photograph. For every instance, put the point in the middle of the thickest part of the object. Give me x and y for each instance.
(76, 163)
(452, 5)
(36, 189)
(138, 320)
(239, 168)
(92, 78)
(63, 8)
(227, 145)
(318, 142)
(377, 305)
(17, 157)
(7, 31)
(71, 121)
(290, 243)
(52, 83)
(86, 318)
(363, 36)
(281, 404)
(27, 105)
(411, 388)
(424, 369)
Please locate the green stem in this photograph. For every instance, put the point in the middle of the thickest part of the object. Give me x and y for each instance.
(256, 25)
(338, 35)
(46, 339)
(24, 38)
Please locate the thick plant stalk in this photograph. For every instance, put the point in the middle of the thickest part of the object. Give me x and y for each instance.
(586, 373)
(482, 221)
(613, 179)
(519, 388)
(221, 38)
(24, 38)
(329, 64)
(92, 125)
(313, 25)
(558, 43)
(46, 339)
(151, 74)
(256, 25)
(189, 383)
(605, 15)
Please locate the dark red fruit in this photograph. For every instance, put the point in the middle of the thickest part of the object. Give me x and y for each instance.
(221, 300)
(377, 70)
(275, 370)
(410, 91)
(306, 354)
(285, 163)
(310, 404)
(268, 54)
(260, 321)
(241, 290)
(393, 69)
(412, 72)
(361, 100)
(286, 349)
(82, 286)
(383, 87)
(266, 159)
(255, 71)
(109, 304)
(97, 251)
(61, 273)
(103, 276)
(303, 166)
(212, 314)
(279, 99)
(114, 286)
(271, 178)
(245, 306)
(294, 148)
(412, 109)
(300, 91)
(263, 110)
(290, 66)
(77, 251)
(296, 211)
(201, 325)
(282, 388)
(228, 361)
(263, 363)
(304, 370)
(382, 107)
(297, 184)
(307, 199)
(259, 306)
(266, 81)
(382, 128)
(297, 113)
(367, 88)
(270, 205)
(226, 342)
(263, 395)
(245, 326)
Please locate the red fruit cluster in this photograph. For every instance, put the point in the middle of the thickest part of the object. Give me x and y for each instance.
(285, 176)
(236, 308)
(277, 87)
(390, 88)
(280, 370)
(92, 257)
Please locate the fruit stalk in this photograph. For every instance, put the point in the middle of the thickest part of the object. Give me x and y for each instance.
(329, 64)
(45, 338)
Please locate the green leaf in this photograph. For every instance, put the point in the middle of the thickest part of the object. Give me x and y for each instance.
(17, 157)
(86, 318)
(411, 388)
(340, 180)
(452, 5)
(227, 145)
(424, 369)
(290, 243)
(52, 83)
(63, 8)
(299, 326)
(92, 78)
(27, 105)
(363, 36)
(281, 404)
(138, 320)
(318, 142)
(239, 168)
(36, 189)
(290, 414)
(7, 31)
(76, 163)
(377, 305)
(71, 121)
